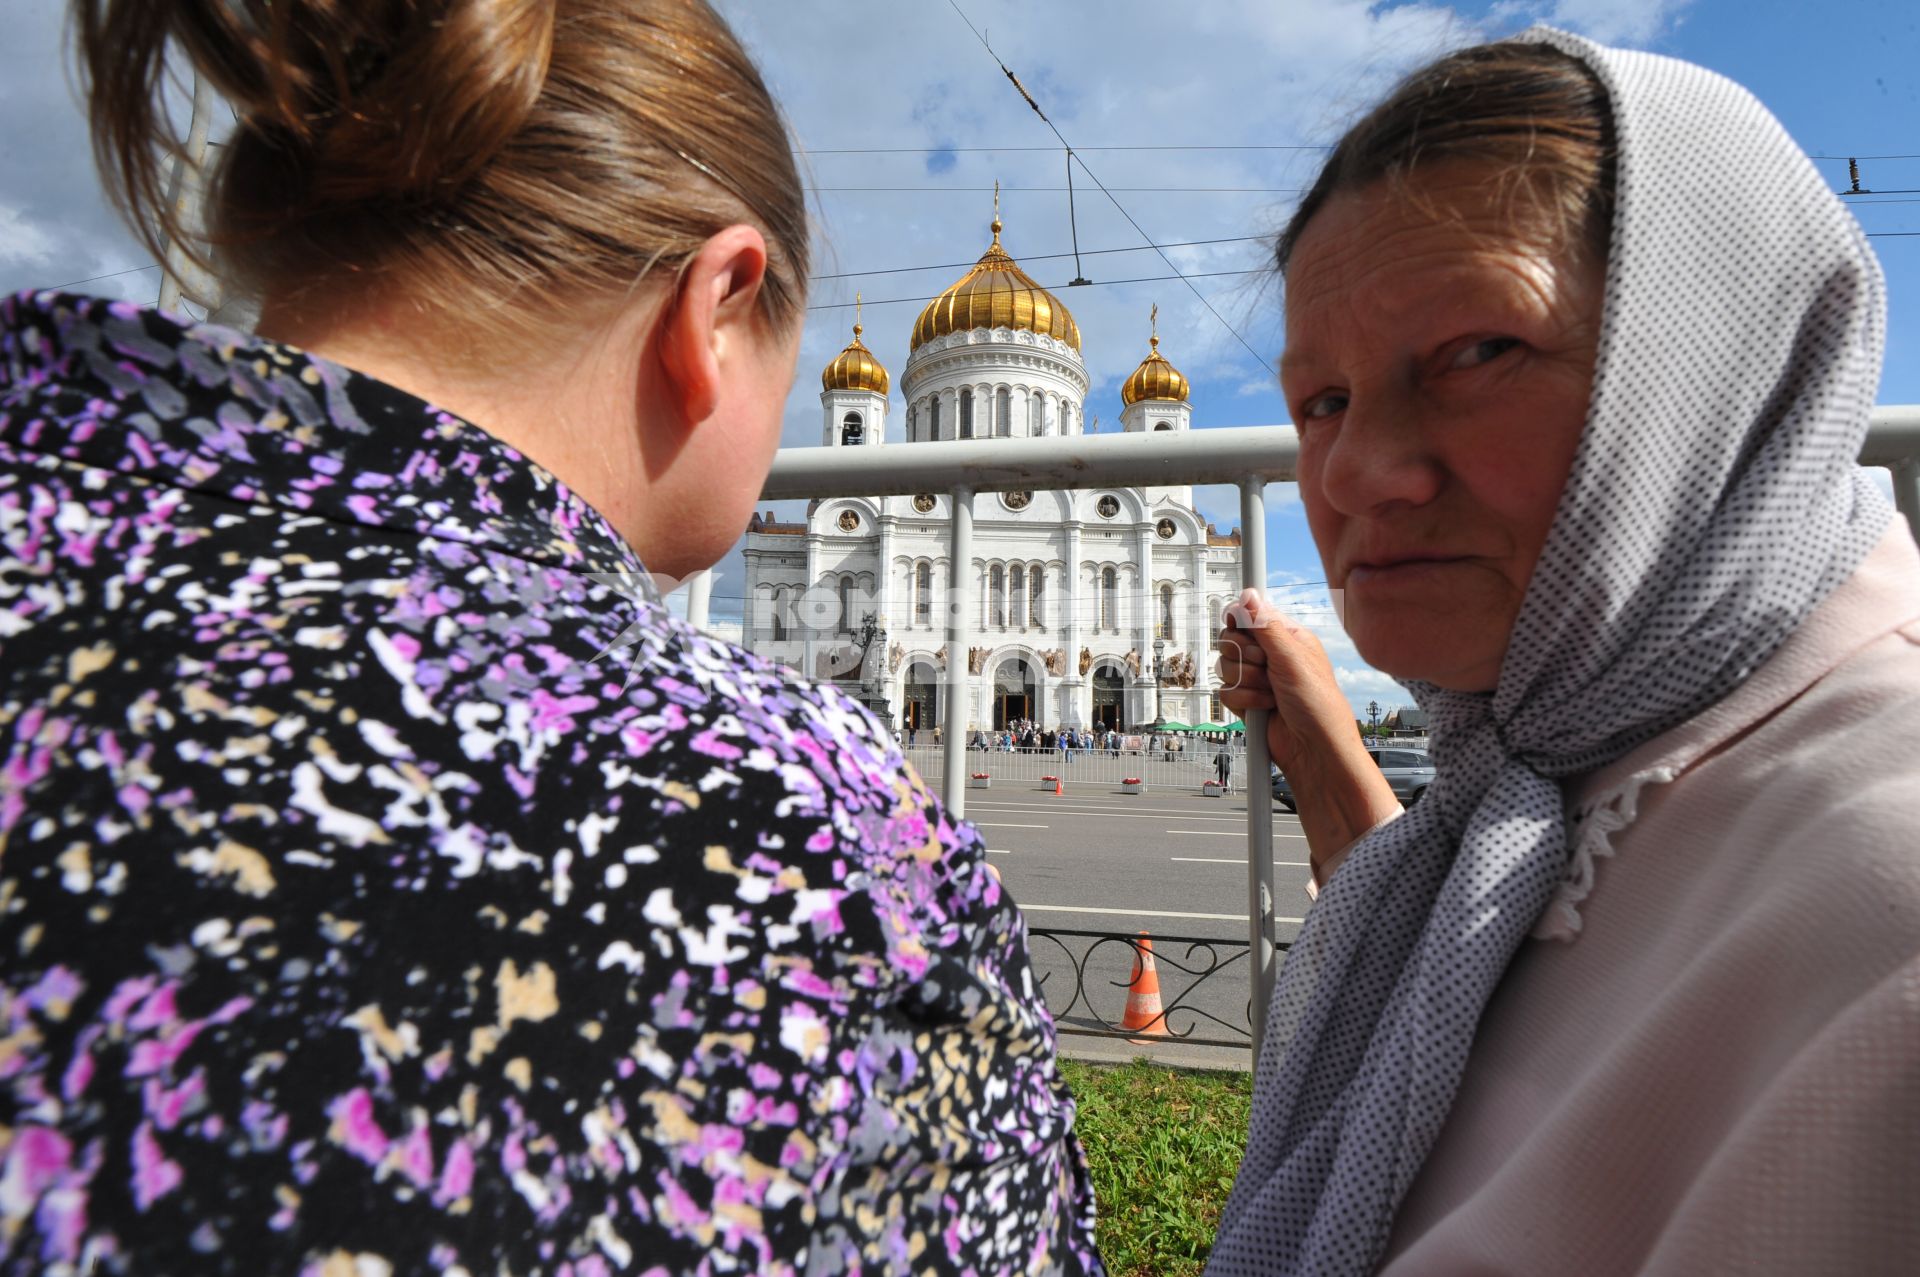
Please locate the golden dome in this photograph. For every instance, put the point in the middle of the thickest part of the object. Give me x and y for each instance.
(855, 368)
(996, 293)
(1155, 378)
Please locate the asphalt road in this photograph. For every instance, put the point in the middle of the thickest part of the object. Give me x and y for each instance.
(1172, 865)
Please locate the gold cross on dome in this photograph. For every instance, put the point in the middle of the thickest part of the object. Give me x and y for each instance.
(856, 314)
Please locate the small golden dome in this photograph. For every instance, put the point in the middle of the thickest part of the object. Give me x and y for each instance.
(996, 293)
(855, 368)
(1155, 378)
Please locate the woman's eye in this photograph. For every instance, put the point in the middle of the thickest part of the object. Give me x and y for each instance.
(1481, 352)
(1323, 406)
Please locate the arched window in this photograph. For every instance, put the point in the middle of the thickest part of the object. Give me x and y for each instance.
(852, 430)
(913, 419)
(966, 413)
(923, 594)
(1003, 412)
(1066, 418)
(1036, 596)
(1036, 415)
(997, 591)
(933, 417)
(1017, 587)
(1165, 629)
(846, 605)
(1109, 599)
(779, 616)
(1163, 425)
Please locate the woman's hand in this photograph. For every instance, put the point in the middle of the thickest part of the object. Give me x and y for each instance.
(1267, 662)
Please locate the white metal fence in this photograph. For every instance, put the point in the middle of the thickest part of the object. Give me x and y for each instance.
(1247, 458)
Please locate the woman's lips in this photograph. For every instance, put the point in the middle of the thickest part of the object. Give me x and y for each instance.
(1399, 572)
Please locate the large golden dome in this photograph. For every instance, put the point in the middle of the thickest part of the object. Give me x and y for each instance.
(855, 368)
(996, 293)
(1155, 378)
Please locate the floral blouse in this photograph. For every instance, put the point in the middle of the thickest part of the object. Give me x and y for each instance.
(388, 884)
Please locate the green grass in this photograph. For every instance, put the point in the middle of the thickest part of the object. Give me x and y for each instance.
(1164, 1145)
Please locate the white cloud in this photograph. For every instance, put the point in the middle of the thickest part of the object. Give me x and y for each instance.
(22, 242)
(1634, 22)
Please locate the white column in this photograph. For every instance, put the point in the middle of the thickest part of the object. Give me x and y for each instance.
(700, 596)
(1200, 645)
(1069, 614)
(883, 580)
(1143, 603)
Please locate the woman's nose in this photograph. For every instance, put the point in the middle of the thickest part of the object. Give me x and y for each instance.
(1378, 459)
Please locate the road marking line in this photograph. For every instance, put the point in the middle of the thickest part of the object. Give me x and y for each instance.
(1144, 913)
(1228, 833)
(995, 851)
(997, 824)
(1057, 810)
(1215, 860)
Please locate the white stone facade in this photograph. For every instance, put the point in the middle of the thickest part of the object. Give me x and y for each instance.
(1066, 593)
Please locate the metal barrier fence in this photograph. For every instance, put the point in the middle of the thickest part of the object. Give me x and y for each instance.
(1156, 771)
(1247, 458)
(1086, 976)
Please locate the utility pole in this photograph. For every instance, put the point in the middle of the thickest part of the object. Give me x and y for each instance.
(179, 274)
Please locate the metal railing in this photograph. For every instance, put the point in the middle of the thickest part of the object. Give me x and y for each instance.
(1245, 457)
(1086, 770)
(1094, 971)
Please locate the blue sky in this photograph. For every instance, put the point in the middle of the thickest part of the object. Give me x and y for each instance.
(1843, 77)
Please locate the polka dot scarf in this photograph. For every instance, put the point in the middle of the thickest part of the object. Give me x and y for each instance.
(1714, 502)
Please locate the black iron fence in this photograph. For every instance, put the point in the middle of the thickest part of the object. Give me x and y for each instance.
(1086, 977)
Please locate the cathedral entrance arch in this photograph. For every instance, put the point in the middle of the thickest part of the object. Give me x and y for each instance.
(1013, 693)
(920, 702)
(1108, 697)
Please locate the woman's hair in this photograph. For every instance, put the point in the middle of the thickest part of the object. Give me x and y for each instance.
(1537, 118)
(493, 162)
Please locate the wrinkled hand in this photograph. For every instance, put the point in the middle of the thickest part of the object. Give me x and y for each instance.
(1268, 662)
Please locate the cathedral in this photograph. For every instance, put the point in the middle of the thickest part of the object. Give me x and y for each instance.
(1067, 592)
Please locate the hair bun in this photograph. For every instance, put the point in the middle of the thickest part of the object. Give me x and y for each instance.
(432, 107)
(365, 99)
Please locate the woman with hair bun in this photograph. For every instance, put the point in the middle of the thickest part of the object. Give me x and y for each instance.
(391, 885)
(1582, 351)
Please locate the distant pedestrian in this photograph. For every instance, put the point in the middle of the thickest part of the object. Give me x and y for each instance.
(1223, 768)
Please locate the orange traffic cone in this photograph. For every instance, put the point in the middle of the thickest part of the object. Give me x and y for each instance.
(1143, 994)
(1059, 788)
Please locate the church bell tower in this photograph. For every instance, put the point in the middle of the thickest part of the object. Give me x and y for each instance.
(853, 395)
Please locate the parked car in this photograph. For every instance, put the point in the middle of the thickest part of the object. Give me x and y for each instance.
(1409, 771)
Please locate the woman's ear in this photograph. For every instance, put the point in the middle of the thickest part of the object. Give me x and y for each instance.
(705, 326)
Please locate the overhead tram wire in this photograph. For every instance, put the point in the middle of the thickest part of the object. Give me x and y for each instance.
(75, 283)
(973, 150)
(1138, 229)
(1054, 257)
(1092, 283)
(1130, 190)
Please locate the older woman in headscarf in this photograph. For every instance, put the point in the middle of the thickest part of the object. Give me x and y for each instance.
(1581, 352)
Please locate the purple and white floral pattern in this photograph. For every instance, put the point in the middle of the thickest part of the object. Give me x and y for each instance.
(355, 920)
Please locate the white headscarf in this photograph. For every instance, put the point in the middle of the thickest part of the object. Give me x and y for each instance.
(1714, 502)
